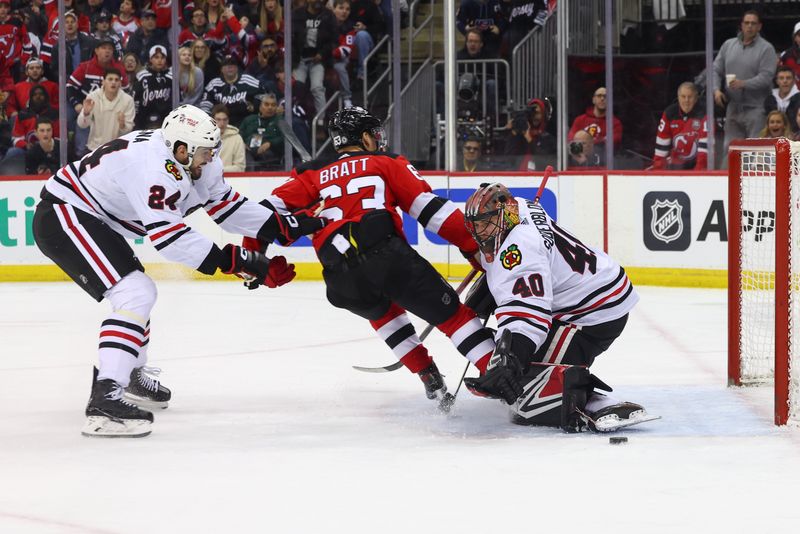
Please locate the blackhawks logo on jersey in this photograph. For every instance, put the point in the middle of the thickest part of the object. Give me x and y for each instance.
(173, 169)
(511, 257)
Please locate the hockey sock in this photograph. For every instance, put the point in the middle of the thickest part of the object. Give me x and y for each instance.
(125, 333)
(472, 340)
(396, 330)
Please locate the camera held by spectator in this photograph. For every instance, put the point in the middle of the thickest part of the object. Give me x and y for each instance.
(582, 152)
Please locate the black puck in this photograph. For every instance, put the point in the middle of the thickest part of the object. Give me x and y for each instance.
(617, 440)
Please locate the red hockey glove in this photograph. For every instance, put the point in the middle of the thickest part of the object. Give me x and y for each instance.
(473, 257)
(280, 272)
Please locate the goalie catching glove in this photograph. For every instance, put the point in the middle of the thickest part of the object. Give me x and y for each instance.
(255, 268)
(502, 379)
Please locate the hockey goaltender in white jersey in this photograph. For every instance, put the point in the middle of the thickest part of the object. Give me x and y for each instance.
(143, 184)
(559, 303)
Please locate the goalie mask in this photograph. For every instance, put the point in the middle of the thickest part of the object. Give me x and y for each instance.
(491, 212)
(346, 126)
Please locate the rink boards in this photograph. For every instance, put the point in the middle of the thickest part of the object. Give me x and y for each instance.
(665, 229)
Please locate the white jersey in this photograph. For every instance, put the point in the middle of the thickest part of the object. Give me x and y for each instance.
(134, 185)
(543, 273)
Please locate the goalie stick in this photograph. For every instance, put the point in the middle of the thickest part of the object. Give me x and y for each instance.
(397, 365)
(292, 139)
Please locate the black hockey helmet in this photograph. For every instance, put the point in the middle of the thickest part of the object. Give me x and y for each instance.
(346, 126)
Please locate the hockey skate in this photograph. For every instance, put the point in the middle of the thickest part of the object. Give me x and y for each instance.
(144, 390)
(618, 416)
(109, 415)
(435, 388)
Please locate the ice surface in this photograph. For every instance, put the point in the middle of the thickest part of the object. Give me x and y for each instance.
(270, 430)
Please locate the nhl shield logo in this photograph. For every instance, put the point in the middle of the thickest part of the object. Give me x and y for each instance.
(667, 220)
(667, 223)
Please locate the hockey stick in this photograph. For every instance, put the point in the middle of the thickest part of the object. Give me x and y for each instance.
(398, 364)
(291, 137)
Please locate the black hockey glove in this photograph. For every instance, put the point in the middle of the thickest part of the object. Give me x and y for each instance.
(256, 268)
(299, 224)
(502, 377)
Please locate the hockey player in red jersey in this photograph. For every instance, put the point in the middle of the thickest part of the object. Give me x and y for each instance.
(559, 304)
(142, 185)
(368, 266)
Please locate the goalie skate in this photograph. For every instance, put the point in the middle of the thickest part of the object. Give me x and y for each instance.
(618, 416)
(144, 390)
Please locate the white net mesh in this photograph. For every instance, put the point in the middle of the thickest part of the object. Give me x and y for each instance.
(757, 256)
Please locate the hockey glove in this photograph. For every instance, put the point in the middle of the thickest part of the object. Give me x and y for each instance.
(503, 374)
(255, 268)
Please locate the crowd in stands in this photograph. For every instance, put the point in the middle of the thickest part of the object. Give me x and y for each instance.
(119, 70)
(230, 62)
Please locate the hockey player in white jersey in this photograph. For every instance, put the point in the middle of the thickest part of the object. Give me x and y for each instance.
(558, 303)
(142, 185)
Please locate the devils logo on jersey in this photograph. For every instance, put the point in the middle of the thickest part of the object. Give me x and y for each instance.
(511, 257)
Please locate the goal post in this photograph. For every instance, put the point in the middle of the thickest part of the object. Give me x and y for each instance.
(763, 270)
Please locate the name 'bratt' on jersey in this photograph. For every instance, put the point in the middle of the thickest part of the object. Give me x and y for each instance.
(345, 168)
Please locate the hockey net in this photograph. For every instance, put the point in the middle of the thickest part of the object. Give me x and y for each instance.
(764, 270)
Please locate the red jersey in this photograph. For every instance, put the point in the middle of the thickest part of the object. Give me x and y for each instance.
(682, 140)
(596, 126)
(355, 184)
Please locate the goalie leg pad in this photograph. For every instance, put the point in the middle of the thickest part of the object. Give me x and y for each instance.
(554, 395)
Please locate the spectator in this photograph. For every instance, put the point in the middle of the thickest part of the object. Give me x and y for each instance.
(471, 151)
(107, 111)
(92, 8)
(530, 144)
(51, 10)
(582, 153)
(271, 20)
(102, 31)
(44, 155)
(24, 131)
(190, 78)
(262, 68)
(125, 23)
(594, 121)
(15, 46)
(5, 124)
(796, 127)
(263, 139)
(147, 36)
(485, 17)
(523, 16)
(214, 11)
(682, 139)
(34, 72)
(232, 152)
(153, 92)
(777, 125)
(300, 123)
(791, 57)
(236, 91)
(203, 58)
(80, 47)
(313, 40)
(370, 25)
(85, 79)
(197, 28)
(346, 35)
(748, 61)
(132, 66)
(786, 97)
(474, 50)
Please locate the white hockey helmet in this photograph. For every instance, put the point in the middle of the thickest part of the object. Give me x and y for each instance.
(193, 127)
